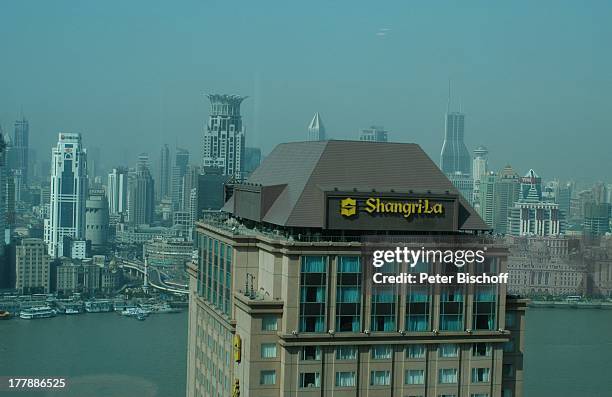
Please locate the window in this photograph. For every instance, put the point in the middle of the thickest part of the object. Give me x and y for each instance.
(507, 393)
(348, 294)
(381, 352)
(481, 375)
(380, 378)
(346, 353)
(310, 353)
(313, 290)
(268, 350)
(447, 375)
(510, 320)
(447, 395)
(414, 377)
(508, 370)
(384, 299)
(448, 350)
(310, 379)
(451, 309)
(479, 395)
(346, 379)
(481, 350)
(484, 307)
(267, 377)
(269, 323)
(417, 307)
(509, 346)
(415, 351)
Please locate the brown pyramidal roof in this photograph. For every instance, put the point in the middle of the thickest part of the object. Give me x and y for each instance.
(299, 173)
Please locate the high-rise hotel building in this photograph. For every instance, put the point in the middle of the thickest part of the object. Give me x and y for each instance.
(224, 136)
(68, 193)
(281, 303)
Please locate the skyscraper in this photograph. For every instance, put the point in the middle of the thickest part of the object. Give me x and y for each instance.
(596, 219)
(455, 156)
(531, 215)
(563, 196)
(164, 173)
(141, 193)
(68, 193)
(117, 191)
(32, 266)
(316, 130)
(96, 219)
(374, 134)
(21, 145)
(290, 315)
(464, 183)
(487, 195)
(224, 135)
(3, 197)
(181, 163)
(480, 164)
(506, 194)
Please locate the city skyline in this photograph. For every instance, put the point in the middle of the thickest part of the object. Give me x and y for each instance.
(515, 82)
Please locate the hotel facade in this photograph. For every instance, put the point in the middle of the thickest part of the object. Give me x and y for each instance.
(281, 301)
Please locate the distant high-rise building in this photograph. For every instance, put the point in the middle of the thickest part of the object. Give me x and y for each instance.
(464, 183)
(117, 191)
(32, 266)
(141, 193)
(190, 185)
(181, 164)
(93, 163)
(96, 219)
(164, 173)
(455, 156)
(316, 130)
(531, 215)
(531, 187)
(480, 165)
(224, 135)
(563, 197)
(3, 197)
(21, 145)
(68, 193)
(506, 194)
(487, 196)
(596, 219)
(374, 134)
(600, 193)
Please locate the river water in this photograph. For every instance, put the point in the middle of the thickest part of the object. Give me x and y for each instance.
(568, 353)
(100, 355)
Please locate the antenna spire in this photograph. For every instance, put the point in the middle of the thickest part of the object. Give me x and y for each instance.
(449, 97)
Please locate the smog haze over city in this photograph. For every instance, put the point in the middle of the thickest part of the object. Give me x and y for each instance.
(534, 78)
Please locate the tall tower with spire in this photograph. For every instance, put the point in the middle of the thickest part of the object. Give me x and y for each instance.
(164, 173)
(316, 130)
(455, 157)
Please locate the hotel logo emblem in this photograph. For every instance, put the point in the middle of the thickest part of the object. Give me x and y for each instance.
(348, 207)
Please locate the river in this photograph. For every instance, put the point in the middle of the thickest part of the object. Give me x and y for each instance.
(568, 353)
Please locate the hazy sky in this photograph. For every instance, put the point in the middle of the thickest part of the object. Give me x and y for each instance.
(533, 77)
